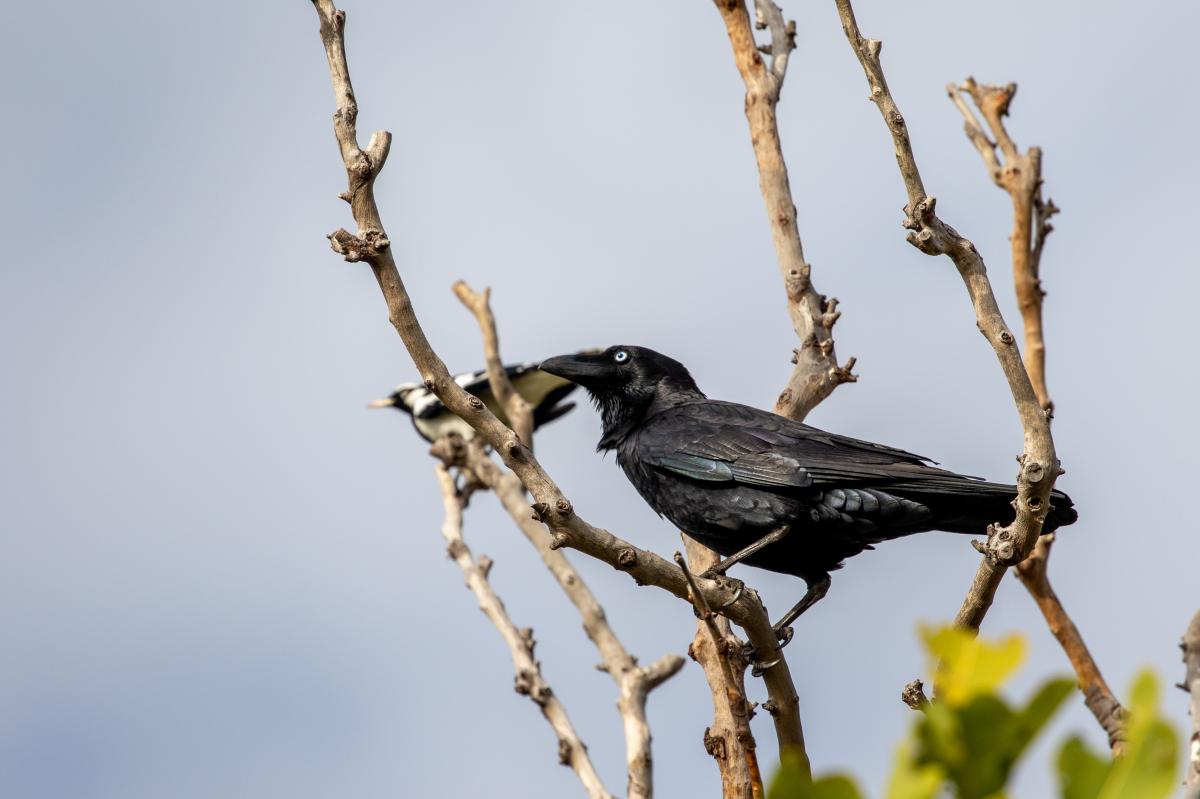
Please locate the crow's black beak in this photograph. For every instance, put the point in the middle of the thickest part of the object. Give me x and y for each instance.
(582, 368)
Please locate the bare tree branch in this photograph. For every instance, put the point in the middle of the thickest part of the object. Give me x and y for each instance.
(817, 372)
(634, 682)
(719, 652)
(518, 411)
(554, 510)
(1006, 545)
(529, 681)
(1098, 697)
(1020, 175)
(1191, 681)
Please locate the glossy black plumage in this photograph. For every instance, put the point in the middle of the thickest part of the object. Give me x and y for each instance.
(729, 474)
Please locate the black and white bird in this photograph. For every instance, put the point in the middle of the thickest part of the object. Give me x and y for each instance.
(543, 391)
(768, 490)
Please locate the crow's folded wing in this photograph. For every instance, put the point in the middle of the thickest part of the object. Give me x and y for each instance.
(725, 442)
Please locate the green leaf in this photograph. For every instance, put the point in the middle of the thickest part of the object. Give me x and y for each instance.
(1149, 768)
(966, 666)
(1039, 710)
(835, 786)
(1081, 774)
(911, 780)
(792, 782)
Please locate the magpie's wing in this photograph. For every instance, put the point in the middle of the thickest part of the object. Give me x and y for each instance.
(540, 388)
(727, 442)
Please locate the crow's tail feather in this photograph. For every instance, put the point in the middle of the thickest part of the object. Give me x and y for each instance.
(985, 503)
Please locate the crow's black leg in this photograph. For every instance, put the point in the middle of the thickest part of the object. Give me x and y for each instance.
(816, 592)
(742, 554)
(783, 632)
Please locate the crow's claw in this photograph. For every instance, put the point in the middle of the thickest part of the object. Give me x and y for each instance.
(759, 668)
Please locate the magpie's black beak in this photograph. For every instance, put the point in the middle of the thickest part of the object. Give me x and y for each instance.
(586, 369)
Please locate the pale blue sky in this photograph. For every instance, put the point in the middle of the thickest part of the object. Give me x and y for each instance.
(222, 574)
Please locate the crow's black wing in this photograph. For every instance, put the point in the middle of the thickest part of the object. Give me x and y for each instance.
(718, 441)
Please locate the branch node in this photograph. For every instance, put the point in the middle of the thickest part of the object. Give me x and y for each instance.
(913, 695)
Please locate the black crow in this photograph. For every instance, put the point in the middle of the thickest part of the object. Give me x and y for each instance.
(541, 390)
(761, 488)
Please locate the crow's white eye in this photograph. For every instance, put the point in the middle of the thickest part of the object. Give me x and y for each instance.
(620, 356)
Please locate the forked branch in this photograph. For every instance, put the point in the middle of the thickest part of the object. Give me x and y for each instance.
(1020, 175)
(516, 408)
(720, 653)
(634, 683)
(529, 681)
(1006, 545)
(817, 372)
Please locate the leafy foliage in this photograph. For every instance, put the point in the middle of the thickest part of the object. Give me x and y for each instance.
(967, 743)
(1149, 769)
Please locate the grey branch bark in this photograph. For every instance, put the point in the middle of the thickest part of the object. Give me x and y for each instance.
(1020, 175)
(634, 683)
(1191, 681)
(817, 372)
(518, 411)
(529, 681)
(372, 246)
(719, 652)
(1006, 545)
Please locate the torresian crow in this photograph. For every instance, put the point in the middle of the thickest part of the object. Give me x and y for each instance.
(544, 392)
(767, 490)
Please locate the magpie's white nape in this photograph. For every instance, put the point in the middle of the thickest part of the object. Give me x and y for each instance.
(543, 391)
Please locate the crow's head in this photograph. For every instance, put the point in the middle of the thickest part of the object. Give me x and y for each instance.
(626, 383)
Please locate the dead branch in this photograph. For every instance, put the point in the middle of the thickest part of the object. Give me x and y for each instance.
(719, 652)
(516, 408)
(1191, 682)
(553, 508)
(1006, 545)
(529, 680)
(1020, 175)
(817, 372)
(634, 682)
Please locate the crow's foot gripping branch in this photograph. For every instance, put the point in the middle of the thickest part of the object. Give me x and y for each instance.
(783, 630)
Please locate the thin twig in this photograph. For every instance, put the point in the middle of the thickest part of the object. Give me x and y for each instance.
(554, 510)
(1191, 682)
(529, 681)
(634, 682)
(1020, 175)
(817, 372)
(516, 408)
(719, 652)
(1006, 545)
